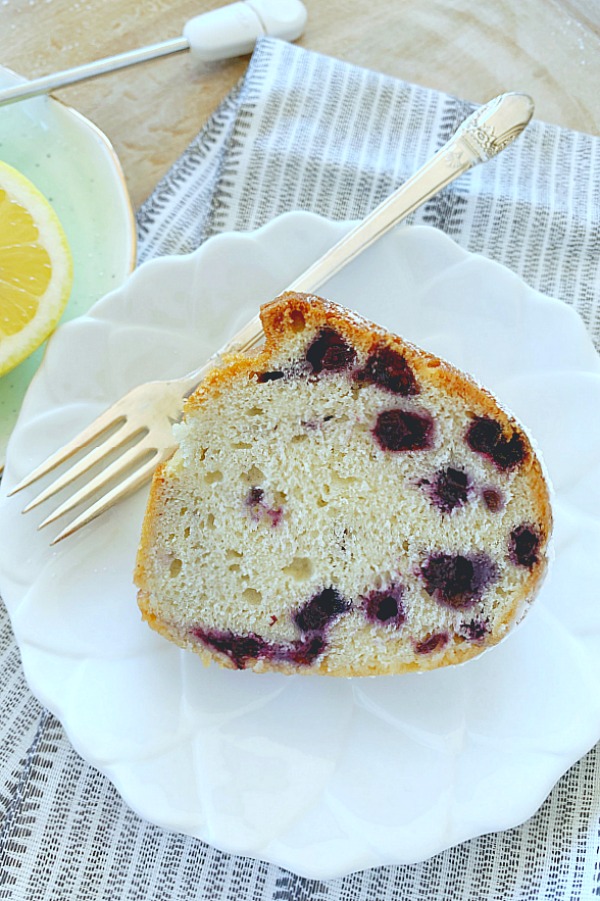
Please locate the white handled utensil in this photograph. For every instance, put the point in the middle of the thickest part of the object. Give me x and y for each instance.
(219, 34)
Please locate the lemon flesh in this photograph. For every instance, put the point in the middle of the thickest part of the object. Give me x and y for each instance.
(36, 269)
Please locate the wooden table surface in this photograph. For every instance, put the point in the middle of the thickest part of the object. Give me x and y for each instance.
(549, 48)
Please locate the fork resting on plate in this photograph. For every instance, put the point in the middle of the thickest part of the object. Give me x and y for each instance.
(139, 426)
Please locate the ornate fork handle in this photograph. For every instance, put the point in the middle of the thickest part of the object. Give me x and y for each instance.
(481, 136)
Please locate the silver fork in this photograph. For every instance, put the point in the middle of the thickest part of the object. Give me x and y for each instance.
(139, 426)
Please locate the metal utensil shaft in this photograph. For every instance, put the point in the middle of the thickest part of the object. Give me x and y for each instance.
(91, 70)
(482, 135)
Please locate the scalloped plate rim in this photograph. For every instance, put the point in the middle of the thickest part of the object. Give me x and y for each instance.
(267, 232)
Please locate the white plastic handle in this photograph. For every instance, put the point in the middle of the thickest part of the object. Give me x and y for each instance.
(220, 34)
(234, 29)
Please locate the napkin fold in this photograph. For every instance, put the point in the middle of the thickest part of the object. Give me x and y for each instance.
(303, 131)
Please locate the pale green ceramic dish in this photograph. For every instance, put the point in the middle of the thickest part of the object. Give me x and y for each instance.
(73, 164)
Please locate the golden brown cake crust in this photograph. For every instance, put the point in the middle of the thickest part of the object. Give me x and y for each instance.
(284, 318)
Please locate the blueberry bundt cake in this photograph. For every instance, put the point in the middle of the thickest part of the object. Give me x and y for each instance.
(342, 503)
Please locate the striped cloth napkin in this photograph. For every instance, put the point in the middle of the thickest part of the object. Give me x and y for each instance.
(303, 131)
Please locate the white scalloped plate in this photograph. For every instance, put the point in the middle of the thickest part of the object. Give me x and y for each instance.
(321, 776)
(74, 165)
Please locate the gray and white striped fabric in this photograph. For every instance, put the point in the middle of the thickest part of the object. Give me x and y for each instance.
(306, 132)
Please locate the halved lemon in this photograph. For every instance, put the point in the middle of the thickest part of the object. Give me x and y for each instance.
(36, 268)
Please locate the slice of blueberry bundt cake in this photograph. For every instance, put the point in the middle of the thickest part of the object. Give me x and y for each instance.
(342, 503)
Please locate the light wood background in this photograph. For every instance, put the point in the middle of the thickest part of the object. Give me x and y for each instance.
(549, 48)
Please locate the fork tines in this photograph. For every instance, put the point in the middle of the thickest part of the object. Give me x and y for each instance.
(119, 438)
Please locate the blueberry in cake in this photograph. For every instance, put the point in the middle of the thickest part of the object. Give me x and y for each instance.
(342, 503)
